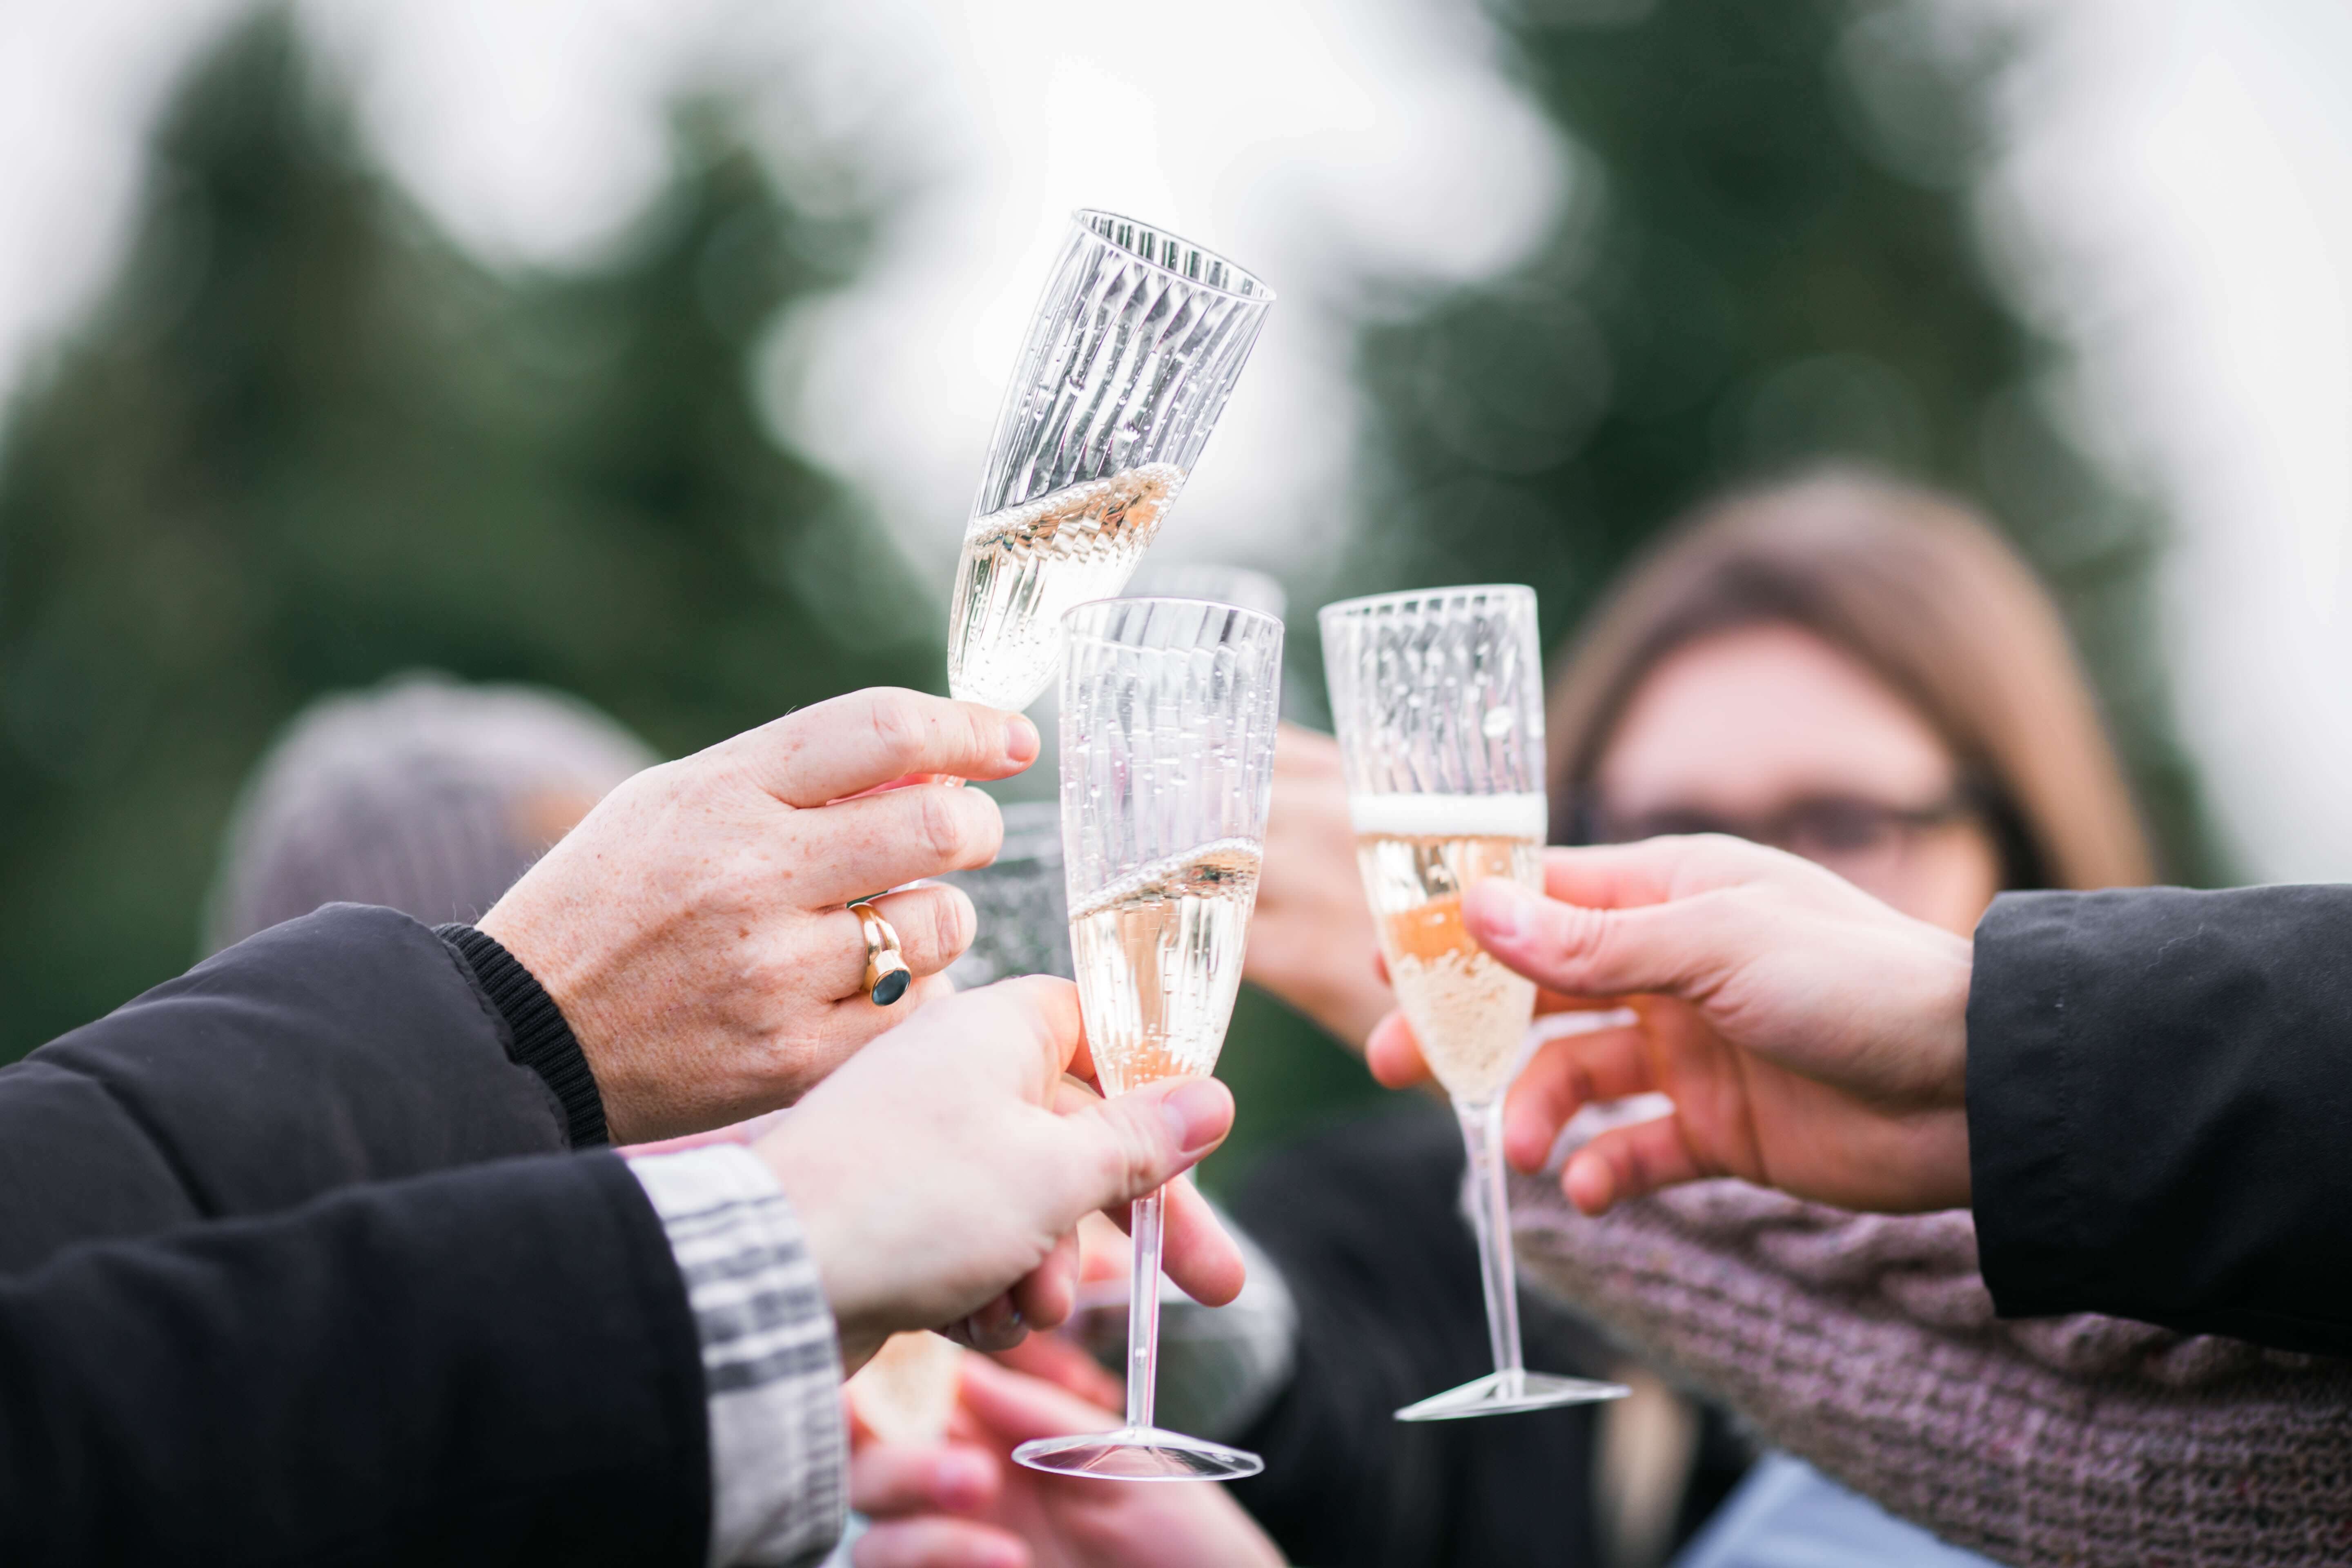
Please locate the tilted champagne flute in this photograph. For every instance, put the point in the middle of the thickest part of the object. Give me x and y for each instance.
(1167, 726)
(1437, 696)
(1134, 347)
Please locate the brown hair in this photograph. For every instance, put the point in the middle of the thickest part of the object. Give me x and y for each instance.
(1920, 591)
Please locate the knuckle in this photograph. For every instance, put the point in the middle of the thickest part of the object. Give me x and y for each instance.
(1141, 1165)
(1575, 931)
(896, 721)
(1124, 1163)
(955, 922)
(940, 826)
(983, 732)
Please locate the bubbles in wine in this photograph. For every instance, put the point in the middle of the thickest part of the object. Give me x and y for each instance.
(1418, 854)
(1026, 566)
(1159, 958)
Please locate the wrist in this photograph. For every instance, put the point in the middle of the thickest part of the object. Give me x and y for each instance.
(859, 1303)
(536, 1033)
(569, 974)
(778, 1448)
(1947, 1020)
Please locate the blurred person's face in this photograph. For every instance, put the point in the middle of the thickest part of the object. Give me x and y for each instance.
(1770, 734)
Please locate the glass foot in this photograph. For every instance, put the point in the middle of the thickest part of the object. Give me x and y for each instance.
(1508, 1392)
(1139, 1453)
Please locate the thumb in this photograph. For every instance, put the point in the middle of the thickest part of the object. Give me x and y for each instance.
(1145, 1137)
(1579, 952)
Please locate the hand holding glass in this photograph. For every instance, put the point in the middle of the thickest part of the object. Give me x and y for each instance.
(1167, 726)
(1437, 697)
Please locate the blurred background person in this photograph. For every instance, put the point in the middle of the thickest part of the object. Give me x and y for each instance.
(1849, 668)
(423, 794)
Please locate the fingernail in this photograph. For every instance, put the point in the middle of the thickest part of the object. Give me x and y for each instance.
(1198, 1113)
(1495, 908)
(1020, 741)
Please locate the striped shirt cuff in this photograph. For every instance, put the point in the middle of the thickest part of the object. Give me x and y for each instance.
(771, 1364)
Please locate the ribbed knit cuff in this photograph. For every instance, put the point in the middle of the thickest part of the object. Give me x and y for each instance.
(537, 1036)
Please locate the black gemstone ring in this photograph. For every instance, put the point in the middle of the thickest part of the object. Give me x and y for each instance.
(886, 974)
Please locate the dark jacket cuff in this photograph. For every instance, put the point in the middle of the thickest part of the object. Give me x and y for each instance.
(537, 1036)
(2024, 1134)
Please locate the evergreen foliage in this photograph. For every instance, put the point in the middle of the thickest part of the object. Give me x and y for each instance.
(1767, 260)
(305, 444)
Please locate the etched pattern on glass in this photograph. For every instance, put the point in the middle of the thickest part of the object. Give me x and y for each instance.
(1167, 718)
(1167, 723)
(1132, 351)
(1442, 689)
(1437, 696)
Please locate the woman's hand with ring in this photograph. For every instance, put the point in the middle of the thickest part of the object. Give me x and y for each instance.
(695, 929)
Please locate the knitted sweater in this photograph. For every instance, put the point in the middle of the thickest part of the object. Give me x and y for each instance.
(1868, 1345)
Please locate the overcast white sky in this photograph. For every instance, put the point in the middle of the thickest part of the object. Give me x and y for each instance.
(2179, 204)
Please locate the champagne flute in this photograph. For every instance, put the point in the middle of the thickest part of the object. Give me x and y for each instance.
(1437, 696)
(1167, 725)
(1134, 347)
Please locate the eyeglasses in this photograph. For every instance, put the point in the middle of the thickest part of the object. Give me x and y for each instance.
(1864, 841)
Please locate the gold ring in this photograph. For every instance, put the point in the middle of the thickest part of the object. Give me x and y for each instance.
(886, 974)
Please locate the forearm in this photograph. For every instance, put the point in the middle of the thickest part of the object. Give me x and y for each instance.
(771, 1366)
(2158, 1085)
(1869, 1346)
(352, 1045)
(496, 1366)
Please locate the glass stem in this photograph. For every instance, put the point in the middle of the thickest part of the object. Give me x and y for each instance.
(1143, 1229)
(1490, 1216)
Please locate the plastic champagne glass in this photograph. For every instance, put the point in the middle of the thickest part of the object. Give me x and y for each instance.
(1168, 727)
(1131, 355)
(1437, 696)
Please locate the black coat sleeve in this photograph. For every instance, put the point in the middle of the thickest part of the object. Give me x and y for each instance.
(495, 1365)
(353, 1045)
(2160, 1109)
(1366, 1224)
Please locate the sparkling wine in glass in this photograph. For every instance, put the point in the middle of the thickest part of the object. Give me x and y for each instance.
(1130, 358)
(1167, 725)
(1437, 696)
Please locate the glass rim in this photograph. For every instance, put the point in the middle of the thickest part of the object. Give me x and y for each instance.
(1264, 295)
(1369, 602)
(1070, 628)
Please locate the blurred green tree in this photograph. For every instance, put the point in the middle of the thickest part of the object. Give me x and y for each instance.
(303, 443)
(1769, 256)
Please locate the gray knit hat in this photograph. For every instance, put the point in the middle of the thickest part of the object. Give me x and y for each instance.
(423, 794)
